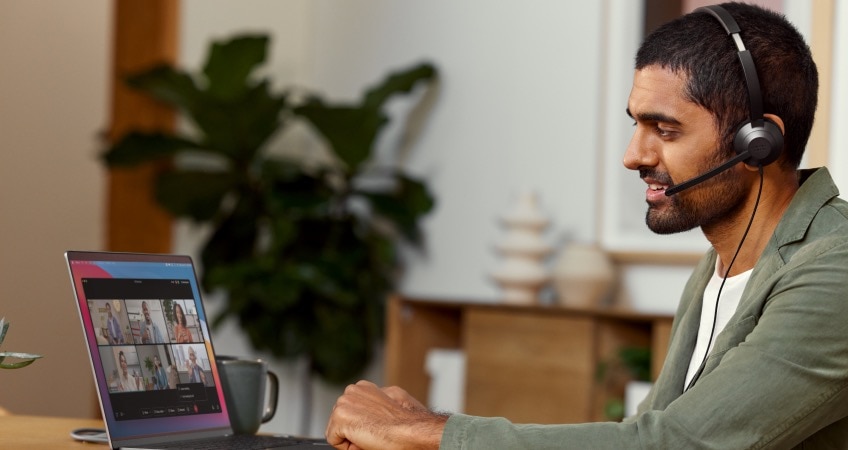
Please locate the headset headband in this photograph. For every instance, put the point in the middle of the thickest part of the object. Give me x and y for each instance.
(751, 81)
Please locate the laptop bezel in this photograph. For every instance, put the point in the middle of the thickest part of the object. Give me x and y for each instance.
(101, 390)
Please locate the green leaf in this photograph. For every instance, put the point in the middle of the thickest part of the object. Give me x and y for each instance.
(137, 147)
(292, 193)
(350, 131)
(238, 127)
(259, 116)
(344, 349)
(638, 361)
(25, 360)
(234, 238)
(614, 409)
(230, 63)
(164, 83)
(194, 194)
(3, 328)
(404, 205)
(234, 116)
(398, 82)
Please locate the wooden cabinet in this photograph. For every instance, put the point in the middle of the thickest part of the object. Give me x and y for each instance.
(530, 364)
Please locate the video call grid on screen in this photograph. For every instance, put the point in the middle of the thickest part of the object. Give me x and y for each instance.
(151, 347)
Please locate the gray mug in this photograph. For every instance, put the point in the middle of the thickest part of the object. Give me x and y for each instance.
(244, 382)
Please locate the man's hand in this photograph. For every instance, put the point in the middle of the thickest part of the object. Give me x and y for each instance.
(367, 417)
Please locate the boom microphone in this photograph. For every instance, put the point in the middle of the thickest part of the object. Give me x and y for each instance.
(707, 175)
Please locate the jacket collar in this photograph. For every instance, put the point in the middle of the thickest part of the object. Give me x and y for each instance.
(817, 188)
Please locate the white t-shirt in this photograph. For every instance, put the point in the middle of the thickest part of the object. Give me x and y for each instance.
(730, 295)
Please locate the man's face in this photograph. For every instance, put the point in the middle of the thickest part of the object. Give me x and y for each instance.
(675, 140)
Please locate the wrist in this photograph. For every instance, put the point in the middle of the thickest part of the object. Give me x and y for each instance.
(427, 431)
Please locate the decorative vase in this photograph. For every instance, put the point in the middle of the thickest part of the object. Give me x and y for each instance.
(584, 276)
(522, 273)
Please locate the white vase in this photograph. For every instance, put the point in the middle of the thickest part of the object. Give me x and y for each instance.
(584, 276)
(522, 273)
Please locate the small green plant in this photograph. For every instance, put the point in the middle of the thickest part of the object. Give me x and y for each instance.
(22, 359)
(630, 363)
(148, 363)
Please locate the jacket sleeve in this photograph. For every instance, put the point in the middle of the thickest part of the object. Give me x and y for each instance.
(470, 432)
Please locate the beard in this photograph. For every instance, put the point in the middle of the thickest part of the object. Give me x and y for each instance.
(703, 205)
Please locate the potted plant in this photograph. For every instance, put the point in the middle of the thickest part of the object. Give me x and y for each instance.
(21, 359)
(306, 254)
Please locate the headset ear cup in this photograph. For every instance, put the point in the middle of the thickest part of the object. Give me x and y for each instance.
(764, 143)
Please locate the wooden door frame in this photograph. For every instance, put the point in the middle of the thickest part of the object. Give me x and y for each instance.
(144, 33)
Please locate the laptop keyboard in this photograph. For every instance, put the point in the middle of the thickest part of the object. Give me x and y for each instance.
(241, 442)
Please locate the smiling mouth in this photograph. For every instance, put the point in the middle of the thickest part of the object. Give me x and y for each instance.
(657, 187)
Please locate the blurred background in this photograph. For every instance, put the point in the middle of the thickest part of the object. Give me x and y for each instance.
(530, 98)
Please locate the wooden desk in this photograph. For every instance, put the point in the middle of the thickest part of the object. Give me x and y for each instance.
(44, 433)
(530, 364)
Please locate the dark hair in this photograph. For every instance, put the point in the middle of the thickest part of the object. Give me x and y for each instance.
(180, 320)
(696, 45)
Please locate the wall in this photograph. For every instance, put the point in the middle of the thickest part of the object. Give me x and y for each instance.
(53, 105)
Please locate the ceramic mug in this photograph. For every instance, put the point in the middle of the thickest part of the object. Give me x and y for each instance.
(245, 382)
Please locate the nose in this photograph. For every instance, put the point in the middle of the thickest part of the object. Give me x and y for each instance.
(639, 152)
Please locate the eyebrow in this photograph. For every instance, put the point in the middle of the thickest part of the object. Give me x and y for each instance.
(653, 117)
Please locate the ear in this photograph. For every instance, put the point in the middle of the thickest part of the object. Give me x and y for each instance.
(778, 121)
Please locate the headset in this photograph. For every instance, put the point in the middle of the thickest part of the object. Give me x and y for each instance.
(758, 141)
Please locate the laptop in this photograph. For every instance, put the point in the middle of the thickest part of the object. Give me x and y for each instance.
(142, 408)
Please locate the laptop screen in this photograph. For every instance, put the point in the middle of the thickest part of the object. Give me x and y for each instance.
(148, 338)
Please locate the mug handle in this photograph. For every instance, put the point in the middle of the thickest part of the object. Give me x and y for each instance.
(274, 385)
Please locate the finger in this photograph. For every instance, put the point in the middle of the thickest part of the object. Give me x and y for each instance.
(402, 397)
(361, 391)
(395, 393)
(338, 441)
(365, 383)
(335, 432)
(334, 438)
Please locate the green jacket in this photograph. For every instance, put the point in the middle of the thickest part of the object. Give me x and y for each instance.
(777, 376)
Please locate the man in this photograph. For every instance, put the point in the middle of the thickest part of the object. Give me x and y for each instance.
(116, 336)
(150, 333)
(195, 372)
(758, 356)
